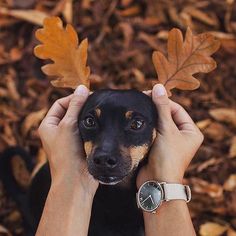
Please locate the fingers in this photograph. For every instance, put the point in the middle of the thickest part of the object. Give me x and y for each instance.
(161, 100)
(77, 101)
(181, 118)
(57, 111)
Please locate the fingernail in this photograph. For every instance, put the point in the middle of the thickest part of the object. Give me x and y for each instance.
(159, 90)
(81, 90)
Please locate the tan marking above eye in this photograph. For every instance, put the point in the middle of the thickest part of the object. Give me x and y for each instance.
(88, 147)
(128, 114)
(98, 112)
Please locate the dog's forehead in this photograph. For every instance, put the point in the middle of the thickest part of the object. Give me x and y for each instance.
(120, 101)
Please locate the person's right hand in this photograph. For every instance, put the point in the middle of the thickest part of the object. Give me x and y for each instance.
(177, 141)
(61, 140)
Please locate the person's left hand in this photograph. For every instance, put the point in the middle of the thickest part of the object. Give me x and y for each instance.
(61, 140)
(177, 141)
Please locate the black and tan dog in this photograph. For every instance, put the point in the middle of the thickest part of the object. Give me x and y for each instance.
(117, 128)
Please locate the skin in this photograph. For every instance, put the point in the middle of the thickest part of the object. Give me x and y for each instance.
(178, 139)
(73, 188)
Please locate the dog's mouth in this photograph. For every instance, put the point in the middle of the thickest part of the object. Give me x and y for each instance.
(109, 180)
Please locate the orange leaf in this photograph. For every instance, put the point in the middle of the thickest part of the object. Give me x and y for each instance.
(212, 229)
(185, 57)
(61, 46)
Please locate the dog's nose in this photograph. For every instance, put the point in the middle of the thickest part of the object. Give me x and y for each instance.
(105, 161)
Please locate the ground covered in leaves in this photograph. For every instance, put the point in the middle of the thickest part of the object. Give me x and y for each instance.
(122, 35)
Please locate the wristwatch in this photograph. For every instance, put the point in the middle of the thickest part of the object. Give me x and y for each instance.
(151, 194)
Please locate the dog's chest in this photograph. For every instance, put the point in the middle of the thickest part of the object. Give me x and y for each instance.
(115, 213)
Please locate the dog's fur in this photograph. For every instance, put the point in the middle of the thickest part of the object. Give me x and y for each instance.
(117, 128)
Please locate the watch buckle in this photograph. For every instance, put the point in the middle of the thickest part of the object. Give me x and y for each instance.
(188, 193)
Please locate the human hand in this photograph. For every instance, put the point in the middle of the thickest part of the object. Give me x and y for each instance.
(177, 141)
(61, 140)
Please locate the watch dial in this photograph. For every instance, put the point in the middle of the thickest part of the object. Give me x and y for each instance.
(150, 196)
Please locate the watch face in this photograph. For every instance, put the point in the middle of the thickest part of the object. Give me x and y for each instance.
(150, 196)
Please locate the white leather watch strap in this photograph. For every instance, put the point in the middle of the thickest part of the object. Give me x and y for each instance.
(176, 192)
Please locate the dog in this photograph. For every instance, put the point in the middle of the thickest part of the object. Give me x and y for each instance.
(117, 128)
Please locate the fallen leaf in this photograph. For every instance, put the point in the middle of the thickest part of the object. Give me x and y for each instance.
(227, 115)
(232, 150)
(32, 16)
(4, 231)
(131, 11)
(230, 183)
(61, 46)
(206, 164)
(201, 16)
(185, 58)
(203, 187)
(20, 172)
(68, 11)
(231, 232)
(216, 131)
(40, 161)
(32, 120)
(212, 229)
(202, 124)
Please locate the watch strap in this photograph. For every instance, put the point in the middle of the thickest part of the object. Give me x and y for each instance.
(176, 192)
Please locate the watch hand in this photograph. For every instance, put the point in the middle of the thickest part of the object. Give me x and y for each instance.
(145, 199)
(151, 199)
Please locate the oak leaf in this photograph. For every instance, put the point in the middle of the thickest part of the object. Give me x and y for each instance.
(212, 229)
(185, 57)
(63, 48)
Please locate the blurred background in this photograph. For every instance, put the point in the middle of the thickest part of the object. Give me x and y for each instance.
(122, 36)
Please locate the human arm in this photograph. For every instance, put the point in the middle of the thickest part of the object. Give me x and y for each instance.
(68, 206)
(177, 141)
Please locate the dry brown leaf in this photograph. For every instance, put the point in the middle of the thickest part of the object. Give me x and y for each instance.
(32, 16)
(212, 229)
(202, 16)
(185, 58)
(20, 171)
(203, 187)
(216, 131)
(227, 115)
(202, 124)
(231, 232)
(4, 231)
(40, 161)
(61, 46)
(230, 183)
(232, 150)
(68, 11)
(32, 120)
(131, 11)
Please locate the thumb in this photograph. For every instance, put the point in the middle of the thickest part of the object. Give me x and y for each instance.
(161, 100)
(78, 99)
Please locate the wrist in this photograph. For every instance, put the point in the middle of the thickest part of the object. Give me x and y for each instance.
(72, 187)
(168, 175)
(169, 178)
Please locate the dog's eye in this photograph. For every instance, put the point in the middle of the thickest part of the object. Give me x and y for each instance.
(89, 122)
(136, 124)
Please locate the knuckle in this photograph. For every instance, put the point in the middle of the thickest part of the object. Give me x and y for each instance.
(40, 130)
(67, 122)
(162, 101)
(76, 101)
(200, 137)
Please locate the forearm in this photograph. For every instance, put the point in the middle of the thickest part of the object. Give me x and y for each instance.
(66, 213)
(172, 218)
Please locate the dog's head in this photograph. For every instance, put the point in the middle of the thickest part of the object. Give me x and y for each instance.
(117, 128)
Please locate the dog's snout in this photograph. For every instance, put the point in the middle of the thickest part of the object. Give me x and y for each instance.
(105, 161)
